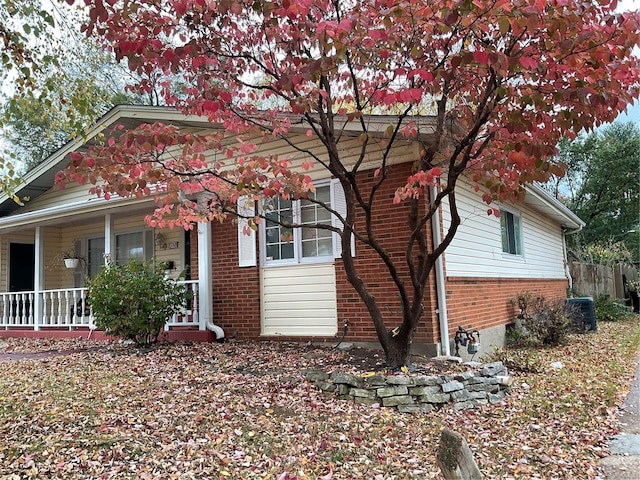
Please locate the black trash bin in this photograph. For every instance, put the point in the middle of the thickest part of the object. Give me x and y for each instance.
(635, 301)
(586, 319)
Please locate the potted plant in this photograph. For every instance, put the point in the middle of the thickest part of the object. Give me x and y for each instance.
(71, 258)
(71, 262)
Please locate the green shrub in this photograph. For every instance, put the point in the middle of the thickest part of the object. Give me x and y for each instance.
(542, 322)
(518, 336)
(134, 301)
(608, 310)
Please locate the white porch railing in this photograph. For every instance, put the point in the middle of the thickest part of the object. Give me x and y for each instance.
(189, 315)
(17, 309)
(70, 308)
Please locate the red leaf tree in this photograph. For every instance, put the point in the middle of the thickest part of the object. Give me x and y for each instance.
(500, 81)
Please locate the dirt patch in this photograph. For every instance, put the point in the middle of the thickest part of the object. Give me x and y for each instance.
(248, 357)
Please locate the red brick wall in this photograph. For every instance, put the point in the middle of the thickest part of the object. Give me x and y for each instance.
(193, 253)
(390, 224)
(236, 291)
(482, 303)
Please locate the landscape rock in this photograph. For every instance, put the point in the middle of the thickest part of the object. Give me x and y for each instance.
(452, 386)
(345, 346)
(347, 379)
(418, 393)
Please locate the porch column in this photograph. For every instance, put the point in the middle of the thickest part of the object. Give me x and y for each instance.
(205, 275)
(38, 278)
(109, 244)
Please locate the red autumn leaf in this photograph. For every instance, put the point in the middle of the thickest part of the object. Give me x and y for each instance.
(528, 62)
(481, 57)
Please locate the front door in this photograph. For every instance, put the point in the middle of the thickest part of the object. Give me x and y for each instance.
(21, 266)
(22, 257)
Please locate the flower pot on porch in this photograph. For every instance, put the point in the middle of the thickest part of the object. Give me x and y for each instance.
(71, 262)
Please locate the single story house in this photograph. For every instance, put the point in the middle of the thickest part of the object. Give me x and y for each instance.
(258, 286)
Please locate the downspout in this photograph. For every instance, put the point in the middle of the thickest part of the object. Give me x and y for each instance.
(217, 331)
(439, 274)
(205, 284)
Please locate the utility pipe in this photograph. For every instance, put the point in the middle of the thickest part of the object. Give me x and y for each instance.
(205, 284)
(439, 274)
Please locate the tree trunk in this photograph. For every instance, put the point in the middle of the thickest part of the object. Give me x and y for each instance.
(397, 351)
(455, 458)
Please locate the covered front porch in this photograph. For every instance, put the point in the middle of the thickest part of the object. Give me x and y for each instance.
(40, 296)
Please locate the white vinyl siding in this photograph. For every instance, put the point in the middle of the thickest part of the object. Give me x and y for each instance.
(476, 251)
(350, 151)
(299, 300)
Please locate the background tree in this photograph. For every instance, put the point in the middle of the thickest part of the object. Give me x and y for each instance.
(75, 83)
(609, 197)
(504, 81)
(605, 192)
(26, 35)
(24, 26)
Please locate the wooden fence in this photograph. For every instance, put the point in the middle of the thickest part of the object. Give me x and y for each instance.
(590, 280)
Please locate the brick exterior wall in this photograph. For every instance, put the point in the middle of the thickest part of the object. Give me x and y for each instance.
(236, 291)
(477, 302)
(482, 303)
(390, 224)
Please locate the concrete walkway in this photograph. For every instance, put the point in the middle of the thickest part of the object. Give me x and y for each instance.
(624, 462)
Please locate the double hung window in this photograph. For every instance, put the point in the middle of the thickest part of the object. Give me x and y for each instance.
(511, 230)
(129, 246)
(285, 244)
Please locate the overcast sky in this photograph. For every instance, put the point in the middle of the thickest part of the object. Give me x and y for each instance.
(633, 111)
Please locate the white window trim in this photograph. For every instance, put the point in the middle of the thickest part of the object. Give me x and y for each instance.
(515, 213)
(297, 239)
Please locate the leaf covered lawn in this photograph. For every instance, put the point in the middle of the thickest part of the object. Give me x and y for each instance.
(242, 410)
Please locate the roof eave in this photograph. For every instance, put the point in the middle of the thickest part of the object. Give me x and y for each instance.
(548, 204)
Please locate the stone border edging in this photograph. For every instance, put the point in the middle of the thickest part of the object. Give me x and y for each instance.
(485, 384)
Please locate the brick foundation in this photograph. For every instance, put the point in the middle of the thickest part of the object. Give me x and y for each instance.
(482, 303)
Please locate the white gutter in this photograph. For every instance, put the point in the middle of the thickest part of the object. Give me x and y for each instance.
(439, 274)
(565, 216)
